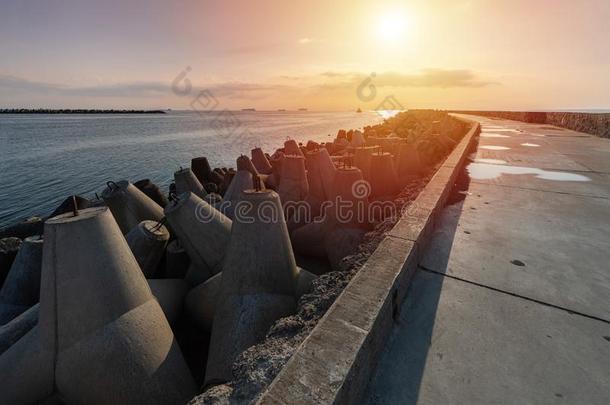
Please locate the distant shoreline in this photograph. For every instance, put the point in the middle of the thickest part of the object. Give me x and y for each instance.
(75, 111)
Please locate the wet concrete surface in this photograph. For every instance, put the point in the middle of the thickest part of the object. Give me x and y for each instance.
(512, 300)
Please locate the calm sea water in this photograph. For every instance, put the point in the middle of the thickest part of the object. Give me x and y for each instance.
(45, 158)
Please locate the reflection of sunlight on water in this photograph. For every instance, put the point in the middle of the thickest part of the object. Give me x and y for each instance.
(388, 113)
(485, 171)
(532, 145)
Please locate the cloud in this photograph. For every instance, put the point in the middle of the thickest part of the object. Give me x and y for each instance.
(439, 78)
(247, 90)
(318, 87)
(234, 89)
(304, 41)
(135, 89)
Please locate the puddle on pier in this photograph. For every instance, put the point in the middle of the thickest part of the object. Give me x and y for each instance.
(500, 129)
(487, 171)
(492, 135)
(490, 161)
(494, 147)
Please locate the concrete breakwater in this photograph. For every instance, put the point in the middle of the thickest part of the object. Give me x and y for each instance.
(242, 260)
(591, 123)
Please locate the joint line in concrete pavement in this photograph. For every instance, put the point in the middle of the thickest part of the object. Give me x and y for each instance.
(570, 311)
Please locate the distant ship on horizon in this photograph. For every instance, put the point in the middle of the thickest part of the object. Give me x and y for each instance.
(358, 110)
(302, 109)
(248, 109)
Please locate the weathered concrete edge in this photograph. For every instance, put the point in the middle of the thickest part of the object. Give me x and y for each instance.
(333, 364)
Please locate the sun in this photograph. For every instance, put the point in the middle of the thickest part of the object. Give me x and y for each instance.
(392, 26)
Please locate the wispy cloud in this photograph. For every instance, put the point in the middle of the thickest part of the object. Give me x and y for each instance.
(440, 78)
(328, 84)
(134, 89)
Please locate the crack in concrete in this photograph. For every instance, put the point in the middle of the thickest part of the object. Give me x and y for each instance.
(570, 311)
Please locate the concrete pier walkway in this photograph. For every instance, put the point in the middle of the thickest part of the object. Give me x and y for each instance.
(511, 303)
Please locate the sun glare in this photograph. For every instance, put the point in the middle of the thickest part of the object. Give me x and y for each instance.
(392, 26)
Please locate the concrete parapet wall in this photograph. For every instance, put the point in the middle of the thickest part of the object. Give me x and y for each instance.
(334, 362)
(591, 123)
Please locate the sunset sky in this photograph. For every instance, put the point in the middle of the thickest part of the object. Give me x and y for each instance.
(470, 54)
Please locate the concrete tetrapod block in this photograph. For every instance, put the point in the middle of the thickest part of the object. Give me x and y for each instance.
(391, 144)
(340, 144)
(357, 139)
(67, 205)
(408, 161)
(350, 199)
(101, 335)
(8, 252)
(201, 301)
(320, 173)
(186, 181)
(260, 161)
(304, 282)
(291, 147)
(243, 162)
(384, 181)
(293, 183)
(373, 141)
(276, 162)
(362, 160)
(204, 233)
(370, 133)
(147, 242)
(242, 180)
(21, 288)
(11, 332)
(327, 240)
(308, 240)
(226, 183)
(152, 191)
(170, 294)
(341, 242)
(29, 227)
(130, 206)
(177, 261)
(257, 284)
(27, 369)
(204, 173)
(445, 140)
